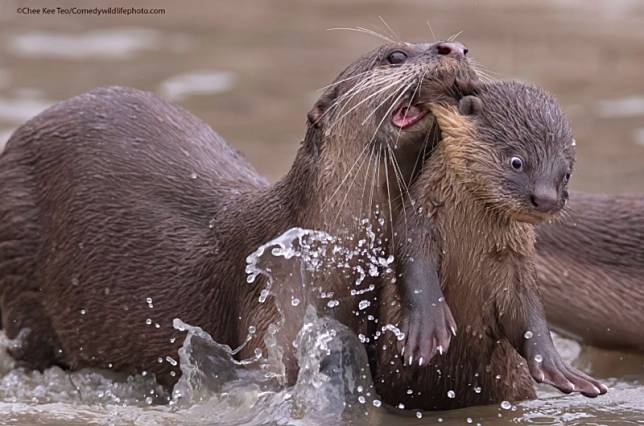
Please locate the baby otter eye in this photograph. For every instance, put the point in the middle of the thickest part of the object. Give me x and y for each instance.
(397, 57)
(516, 163)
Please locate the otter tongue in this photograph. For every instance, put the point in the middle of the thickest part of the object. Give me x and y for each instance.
(406, 116)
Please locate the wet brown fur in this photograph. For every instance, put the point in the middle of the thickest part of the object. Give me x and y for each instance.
(485, 260)
(115, 196)
(473, 287)
(590, 265)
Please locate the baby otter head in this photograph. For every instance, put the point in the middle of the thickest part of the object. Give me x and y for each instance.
(513, 147)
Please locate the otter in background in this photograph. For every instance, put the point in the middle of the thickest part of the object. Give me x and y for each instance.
(590, 265)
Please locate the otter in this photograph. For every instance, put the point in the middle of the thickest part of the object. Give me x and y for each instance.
(590, 268)
(120, 212)
(502, 165)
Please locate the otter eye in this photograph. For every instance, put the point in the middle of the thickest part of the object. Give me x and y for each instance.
(566, 177)
(397, 57)
(516, 163)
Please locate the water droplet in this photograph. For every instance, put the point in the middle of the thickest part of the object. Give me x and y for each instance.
(409, 391)
(252, 329)
(83, 311)
(171, 361)
(148, 321)
(376, 403)
(497, 377)
(193, 175)
(469, 420)
(528, 334)
(75, 281)
(295, 301)
(364, 304)
(506, 405)
(332, 303)
(419, 414)
(401, 406)
(361, 399)
(477, 389)
(538, 358)
(451, 394)
(258, 352)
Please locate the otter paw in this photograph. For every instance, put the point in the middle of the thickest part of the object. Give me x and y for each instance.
(555, 372)
(428, 331)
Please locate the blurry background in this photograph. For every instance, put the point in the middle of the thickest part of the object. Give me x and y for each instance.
(250, 69)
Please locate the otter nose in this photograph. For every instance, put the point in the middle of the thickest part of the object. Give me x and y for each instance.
(451, 48)
(544, 199)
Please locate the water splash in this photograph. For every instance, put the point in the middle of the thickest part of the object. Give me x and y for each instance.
(333, 385)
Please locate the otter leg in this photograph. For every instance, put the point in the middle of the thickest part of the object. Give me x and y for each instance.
(524, 324)
(24, 317)
(426, 318)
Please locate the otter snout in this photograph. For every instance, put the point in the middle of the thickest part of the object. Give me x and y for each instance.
(452, 49)
(545, 199)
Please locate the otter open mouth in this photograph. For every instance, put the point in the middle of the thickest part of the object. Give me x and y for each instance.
(407, 115)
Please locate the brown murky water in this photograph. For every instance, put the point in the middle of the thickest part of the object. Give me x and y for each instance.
(251, 70)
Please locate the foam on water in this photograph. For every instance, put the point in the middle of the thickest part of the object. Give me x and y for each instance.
(631, 106)
(181, 86)
(18, 110)
(117, 43)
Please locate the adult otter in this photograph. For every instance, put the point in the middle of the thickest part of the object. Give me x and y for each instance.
(120, 212)
(500, 167)
(590, 265)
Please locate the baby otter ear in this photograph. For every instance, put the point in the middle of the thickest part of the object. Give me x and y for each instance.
(470, 105)
(321, 106)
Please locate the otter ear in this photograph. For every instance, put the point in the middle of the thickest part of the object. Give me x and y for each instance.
(470, 105)
(321, 106)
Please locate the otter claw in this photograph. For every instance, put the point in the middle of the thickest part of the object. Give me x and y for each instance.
(428, 331)
(553, 371)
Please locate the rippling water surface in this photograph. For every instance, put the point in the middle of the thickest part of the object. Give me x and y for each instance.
(251, 70)
(333, 386)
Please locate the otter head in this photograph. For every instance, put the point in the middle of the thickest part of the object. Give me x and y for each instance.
(512, 145)
(374, 119)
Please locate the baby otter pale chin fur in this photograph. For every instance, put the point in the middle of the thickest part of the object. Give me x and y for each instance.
(502, 165)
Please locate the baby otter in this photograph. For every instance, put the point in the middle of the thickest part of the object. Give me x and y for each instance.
(503, 165)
